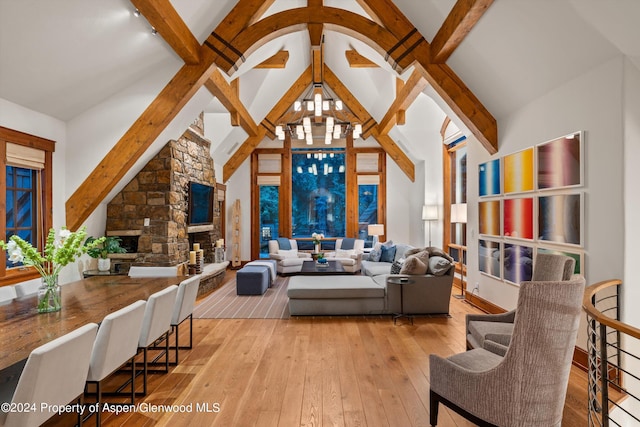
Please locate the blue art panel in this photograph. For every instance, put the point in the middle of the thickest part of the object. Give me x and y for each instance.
(489, 178)
(518, 263)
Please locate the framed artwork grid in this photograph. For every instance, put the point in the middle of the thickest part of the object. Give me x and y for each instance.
(489, 218)
(518, 218)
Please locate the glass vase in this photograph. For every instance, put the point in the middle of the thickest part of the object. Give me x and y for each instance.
(317, 247)
(49, 295)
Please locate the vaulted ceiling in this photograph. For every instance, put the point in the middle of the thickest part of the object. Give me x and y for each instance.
(63, 57)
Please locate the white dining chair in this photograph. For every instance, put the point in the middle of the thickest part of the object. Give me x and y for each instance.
(183, 309)
(141, 271)
(54, 374)
(7, 294)
(115, 345)
(156, 327)
(28, 288)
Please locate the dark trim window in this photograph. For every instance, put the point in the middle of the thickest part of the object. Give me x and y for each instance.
(25, 195)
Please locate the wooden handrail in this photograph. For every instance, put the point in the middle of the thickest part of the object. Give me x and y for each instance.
(593, 312)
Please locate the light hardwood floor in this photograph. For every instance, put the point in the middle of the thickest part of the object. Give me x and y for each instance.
(313, 371)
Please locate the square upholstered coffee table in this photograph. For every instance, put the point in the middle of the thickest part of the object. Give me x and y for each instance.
(311, 267)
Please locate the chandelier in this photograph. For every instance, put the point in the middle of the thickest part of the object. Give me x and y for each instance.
(318, 116)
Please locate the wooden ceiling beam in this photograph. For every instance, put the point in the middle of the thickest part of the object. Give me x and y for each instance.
(441, 77)
(368, 123)
(267, 126)
(260, 11)
(404, 98)
(221, 89)
(155, 118)
(356, 60)
(463, 17)
(163, 17)
(401, 115)
(279, 60)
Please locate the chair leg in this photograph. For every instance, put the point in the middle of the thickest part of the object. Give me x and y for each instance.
(433, 408)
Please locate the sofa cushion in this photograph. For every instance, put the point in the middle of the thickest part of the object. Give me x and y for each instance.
(422, 256)
(433, 251)
(307, 287)
(371, 268)
(401, 251)
(388, 254)
(284, 243)
(413, 265)
(291, 253)
(342, 253)
(438, 265)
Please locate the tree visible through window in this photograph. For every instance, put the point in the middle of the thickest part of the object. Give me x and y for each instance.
(21, 217)
(318, 193)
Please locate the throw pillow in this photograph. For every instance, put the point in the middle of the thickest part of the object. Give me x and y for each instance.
(438, 265)
(433, 251)
(423, 256)
(375, 254)
(413, 265)
(292, 253)
(348, 243)
(397, 266)
(284, 243)
(412, 251)
(388, 253)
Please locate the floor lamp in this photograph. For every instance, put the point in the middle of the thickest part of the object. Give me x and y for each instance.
(429, 214)
(459, 216)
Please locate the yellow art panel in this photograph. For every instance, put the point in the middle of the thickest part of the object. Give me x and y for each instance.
(518, 172)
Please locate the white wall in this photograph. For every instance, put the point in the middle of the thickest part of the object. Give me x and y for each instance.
(239, 188)
(593, 103)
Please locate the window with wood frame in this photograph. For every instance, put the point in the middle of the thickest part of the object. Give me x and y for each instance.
(455, 186)
(25, 196)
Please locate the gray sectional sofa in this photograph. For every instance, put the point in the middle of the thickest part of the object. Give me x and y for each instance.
(371, 294)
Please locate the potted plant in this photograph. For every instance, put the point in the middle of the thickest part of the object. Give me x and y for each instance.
(110, 245)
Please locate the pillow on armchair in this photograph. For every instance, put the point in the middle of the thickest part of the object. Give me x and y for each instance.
(438, 265)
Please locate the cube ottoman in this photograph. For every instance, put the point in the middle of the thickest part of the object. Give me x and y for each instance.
(252, 280)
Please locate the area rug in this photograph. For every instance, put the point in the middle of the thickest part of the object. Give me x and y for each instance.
(223, 303)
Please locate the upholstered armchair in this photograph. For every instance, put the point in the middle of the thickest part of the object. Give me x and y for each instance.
(349, 253)
(493, 331)
(285, 252)
(528, 386)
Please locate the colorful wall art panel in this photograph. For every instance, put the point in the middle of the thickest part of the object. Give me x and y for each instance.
(518, 218)
(560, 219)
(560, 162)
(489, 178)
(489, 257)
(489, 218)
(578, 256)
(518, 263)
(518, 172)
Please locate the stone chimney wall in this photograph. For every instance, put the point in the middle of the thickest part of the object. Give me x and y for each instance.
(160, 193)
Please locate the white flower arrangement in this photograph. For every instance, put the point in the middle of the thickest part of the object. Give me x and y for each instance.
(317, 238)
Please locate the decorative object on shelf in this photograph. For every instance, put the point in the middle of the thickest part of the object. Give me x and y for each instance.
(110, 245)
(317, 241)
(60, 249)
(375, 230)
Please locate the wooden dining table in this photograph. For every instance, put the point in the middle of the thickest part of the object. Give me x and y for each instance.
(22, 328)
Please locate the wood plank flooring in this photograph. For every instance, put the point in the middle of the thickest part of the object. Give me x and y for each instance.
(312, 371)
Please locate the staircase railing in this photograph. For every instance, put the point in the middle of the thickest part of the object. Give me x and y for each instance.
(614, 349)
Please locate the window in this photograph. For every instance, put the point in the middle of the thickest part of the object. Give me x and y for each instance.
(26, 195)
(318, 193)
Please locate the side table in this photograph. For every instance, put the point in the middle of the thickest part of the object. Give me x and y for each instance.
(401, 281)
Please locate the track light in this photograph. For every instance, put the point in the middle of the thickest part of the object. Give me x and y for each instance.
(136, 13)
(154, 31)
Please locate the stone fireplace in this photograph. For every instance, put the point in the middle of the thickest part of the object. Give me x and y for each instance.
(150, 213)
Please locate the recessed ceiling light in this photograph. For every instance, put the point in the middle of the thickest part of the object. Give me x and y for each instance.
(136, 13)
(154, 31)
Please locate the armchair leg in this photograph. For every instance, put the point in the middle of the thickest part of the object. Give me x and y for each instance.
(433, 408)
